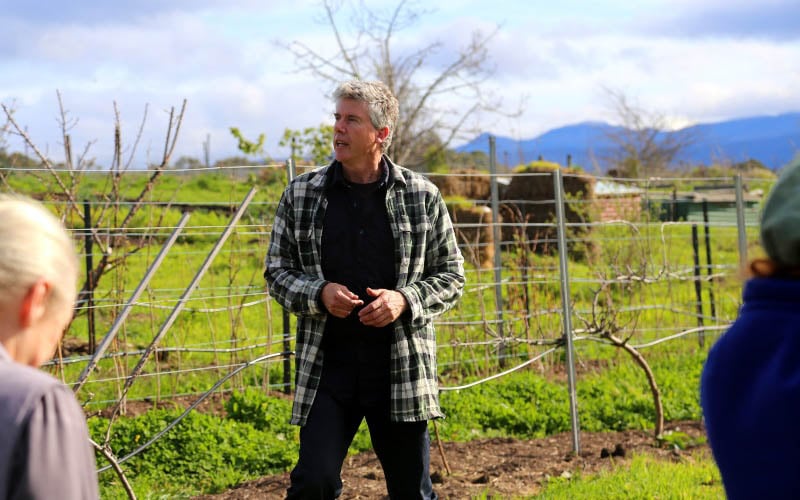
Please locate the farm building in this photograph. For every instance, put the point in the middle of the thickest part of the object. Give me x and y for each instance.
(616, 201)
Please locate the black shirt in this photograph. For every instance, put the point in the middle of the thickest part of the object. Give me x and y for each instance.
(358, 252)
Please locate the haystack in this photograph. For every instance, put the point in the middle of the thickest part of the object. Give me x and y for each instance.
(529, 200)
(474, 230)
(465, 183)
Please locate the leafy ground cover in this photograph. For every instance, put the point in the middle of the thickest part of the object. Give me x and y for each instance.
(497, 433)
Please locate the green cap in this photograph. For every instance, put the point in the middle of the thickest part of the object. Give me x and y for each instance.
(780, 220)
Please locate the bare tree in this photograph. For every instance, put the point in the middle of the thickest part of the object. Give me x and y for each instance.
(112, 204)
(645, 146)
(427, 91)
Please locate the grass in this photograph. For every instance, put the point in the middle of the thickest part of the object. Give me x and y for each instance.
(644, 477)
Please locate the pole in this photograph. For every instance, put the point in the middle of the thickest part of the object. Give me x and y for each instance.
(498, 256)
(87, 245)
(566, 313)
(709, 267)
(184, 298)
(697, 288)
(741, 223)
(112, 333)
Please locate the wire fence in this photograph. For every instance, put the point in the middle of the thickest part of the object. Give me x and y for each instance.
(556, 261)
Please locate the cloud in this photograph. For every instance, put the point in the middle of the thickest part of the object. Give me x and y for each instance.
(170, 46)
(767, 19)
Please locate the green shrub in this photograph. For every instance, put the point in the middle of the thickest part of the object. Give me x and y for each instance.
(203, 453)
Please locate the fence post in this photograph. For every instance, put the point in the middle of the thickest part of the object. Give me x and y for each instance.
(709, 265)
(741, 223)
(566, 305)
(287, 334)
(497, 235)
(698, 291)
(87, 245)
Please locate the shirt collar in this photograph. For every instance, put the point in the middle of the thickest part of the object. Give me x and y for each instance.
(337, 175)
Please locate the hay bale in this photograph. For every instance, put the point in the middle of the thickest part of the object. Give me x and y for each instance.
(530, 199)
(465, 183)
(474, 230)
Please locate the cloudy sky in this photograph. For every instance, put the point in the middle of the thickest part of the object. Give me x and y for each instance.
(690, 60)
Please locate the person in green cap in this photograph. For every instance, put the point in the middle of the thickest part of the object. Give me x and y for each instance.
(750, 386)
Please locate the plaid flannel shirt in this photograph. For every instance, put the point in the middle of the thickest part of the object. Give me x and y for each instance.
(430, 274)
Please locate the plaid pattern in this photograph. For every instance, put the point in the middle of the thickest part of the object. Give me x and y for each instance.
(430, 271)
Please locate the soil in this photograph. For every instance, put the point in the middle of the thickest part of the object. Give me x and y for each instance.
(494, 467)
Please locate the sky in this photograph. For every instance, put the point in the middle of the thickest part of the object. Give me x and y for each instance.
(690, 61)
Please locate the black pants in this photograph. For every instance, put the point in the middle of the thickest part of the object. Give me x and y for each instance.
(402, 448)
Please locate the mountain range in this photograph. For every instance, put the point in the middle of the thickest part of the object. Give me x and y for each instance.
(772, 140)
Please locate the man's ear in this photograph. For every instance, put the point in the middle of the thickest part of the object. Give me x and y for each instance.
(34, 303)
(383, 133)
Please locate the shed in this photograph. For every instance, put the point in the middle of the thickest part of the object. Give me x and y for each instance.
(615, 201)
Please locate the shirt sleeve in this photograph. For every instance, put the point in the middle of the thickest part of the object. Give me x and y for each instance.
(293, 288)
(54, 458)
(444, 280)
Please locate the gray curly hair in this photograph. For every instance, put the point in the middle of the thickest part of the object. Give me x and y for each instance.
(381, 103)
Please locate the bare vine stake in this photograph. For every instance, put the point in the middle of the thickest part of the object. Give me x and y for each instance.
(106, 451)
(441, 448)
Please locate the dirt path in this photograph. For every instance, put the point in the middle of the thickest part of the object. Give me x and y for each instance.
(500, 466)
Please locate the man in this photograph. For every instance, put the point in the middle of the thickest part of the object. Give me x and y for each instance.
(364, 253)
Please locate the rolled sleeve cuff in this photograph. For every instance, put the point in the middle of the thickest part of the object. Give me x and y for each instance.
(414, 304)
(315, 306)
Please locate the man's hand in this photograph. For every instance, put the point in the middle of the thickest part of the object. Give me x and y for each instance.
(339, 301)
(387, 307)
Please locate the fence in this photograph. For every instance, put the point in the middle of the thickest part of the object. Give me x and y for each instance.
(556, 260)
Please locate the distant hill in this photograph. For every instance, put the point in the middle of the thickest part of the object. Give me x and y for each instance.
(772, 140)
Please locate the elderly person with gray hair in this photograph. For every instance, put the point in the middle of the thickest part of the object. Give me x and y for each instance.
(750, 387)
(364, 253)
(44, 443)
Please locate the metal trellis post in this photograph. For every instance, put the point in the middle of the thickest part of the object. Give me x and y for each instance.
(112, 332)
(497, 236)
(184, 298)
(566, 305)
(698, 291)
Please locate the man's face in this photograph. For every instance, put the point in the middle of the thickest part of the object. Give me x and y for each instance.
(355, 140)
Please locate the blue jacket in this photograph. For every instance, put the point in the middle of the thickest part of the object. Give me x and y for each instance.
(750, 393)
